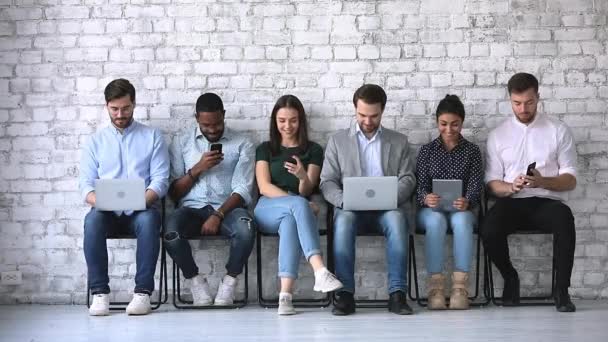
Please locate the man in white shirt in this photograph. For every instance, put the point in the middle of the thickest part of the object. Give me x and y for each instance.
(534, 199)
(367, 149)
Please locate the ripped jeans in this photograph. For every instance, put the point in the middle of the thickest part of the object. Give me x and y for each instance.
(186, 223)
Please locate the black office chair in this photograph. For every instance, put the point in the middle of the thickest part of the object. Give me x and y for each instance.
(297, 302)
(162, 297)
(182, 303)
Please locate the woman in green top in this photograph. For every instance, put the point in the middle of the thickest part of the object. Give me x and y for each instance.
(287, 170)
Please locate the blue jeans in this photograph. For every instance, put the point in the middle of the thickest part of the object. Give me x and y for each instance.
(186, 223)
(435, 225)
(145, 225)
(391, 223)
(293, 219)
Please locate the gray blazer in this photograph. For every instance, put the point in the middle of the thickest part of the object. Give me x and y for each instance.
(342, 160)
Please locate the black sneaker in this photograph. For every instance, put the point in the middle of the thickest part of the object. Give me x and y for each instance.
(563, 302)
(344, 304)
(397, 304)
(510, 293)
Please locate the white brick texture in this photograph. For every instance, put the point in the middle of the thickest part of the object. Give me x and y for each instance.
(57, 56)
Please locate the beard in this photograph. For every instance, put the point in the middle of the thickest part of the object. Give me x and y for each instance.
(122, 122)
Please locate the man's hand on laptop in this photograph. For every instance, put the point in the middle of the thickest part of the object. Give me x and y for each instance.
(91, 199)
(431, 200)
(151, 197)
(211, 226)
(461, 203)
(208, 160)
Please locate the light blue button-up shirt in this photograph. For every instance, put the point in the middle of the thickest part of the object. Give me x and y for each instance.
(370, 153)
(138, 152)
(234, 174)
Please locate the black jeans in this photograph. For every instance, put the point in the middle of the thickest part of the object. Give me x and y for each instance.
(551, 216)
(186, 223)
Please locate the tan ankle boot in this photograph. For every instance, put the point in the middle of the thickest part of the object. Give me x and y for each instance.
(436, 288)
(459, 298)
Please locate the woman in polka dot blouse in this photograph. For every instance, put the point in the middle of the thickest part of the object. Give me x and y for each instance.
(450, 156)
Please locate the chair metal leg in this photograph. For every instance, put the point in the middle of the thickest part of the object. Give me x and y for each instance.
(413, 274)
(162, 276)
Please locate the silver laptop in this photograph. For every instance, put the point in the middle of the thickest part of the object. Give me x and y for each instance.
(120, 194)
(370, 193)
(449, 190)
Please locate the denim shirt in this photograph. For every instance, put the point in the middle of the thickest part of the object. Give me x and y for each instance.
(138, 152)
(234, 174)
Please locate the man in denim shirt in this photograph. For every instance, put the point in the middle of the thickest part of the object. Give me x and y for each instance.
(126, 149)
(212, 187)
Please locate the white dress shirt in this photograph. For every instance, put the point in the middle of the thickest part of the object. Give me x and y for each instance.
(512, 146)
(370, 153)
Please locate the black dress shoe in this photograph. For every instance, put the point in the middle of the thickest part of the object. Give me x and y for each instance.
(563, 302)
(344, 304)
(397, 304)
(510, 293)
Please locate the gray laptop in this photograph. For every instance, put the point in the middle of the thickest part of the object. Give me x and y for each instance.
(370, 193)
(120, 194)
(449, 190)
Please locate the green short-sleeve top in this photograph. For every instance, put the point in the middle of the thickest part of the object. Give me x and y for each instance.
(278, 174)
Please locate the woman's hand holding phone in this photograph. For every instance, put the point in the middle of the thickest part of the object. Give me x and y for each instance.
(295, 167)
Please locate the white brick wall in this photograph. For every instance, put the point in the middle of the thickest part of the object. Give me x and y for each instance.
(57, 56)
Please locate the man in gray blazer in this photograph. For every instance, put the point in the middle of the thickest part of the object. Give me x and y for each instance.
(368, 149)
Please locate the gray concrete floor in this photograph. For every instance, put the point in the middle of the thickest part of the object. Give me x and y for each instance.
(34, 323)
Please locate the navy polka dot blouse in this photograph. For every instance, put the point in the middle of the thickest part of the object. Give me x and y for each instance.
(462, 162)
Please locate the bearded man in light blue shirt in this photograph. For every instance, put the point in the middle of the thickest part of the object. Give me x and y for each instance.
(125, 149)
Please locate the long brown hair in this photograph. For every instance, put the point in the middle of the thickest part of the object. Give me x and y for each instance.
(288, 101)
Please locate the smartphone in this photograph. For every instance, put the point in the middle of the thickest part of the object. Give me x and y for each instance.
(531, 167)
(291, 160)
(216, 147)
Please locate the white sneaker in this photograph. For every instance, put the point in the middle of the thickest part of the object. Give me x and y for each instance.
(200, 291)
(285, 304)
(225, 292)
(140, 304)
(100, 305)
(325, 281)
